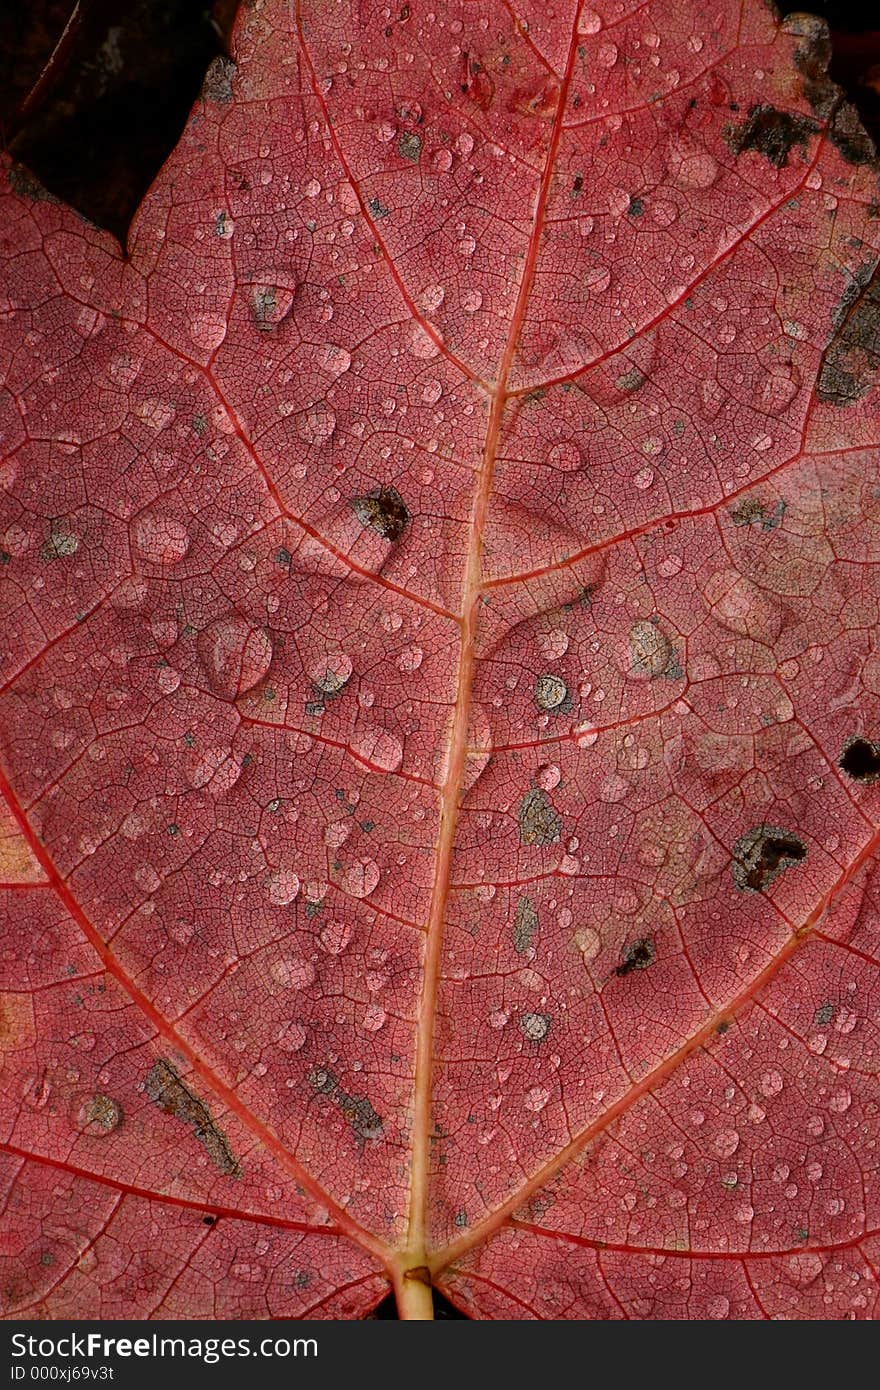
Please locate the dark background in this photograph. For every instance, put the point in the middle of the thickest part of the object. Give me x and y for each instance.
(94, 95)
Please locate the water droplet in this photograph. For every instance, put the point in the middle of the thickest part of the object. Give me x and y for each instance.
(360, 878)
(548, 777)
(374, 1018)
(293, 971)
(335, 936)
(292, 1037)
(718, 1307)
(596, 277)
(566, 456)
(588, 942)
(160, 538)
(771, 1083)
(316, 424)
(333, 360)
(379, 748)
(207, 330)
(235, 655)
(536, 1098)
(283, 887)
(410, 659)
(726, 1143)
(329, 674)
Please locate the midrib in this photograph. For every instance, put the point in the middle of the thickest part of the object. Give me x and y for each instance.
(412, 1282)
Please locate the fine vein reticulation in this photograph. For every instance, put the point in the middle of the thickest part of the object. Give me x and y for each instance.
(439, 698)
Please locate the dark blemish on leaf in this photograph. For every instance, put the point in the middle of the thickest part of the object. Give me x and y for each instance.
(377, 209)
(750, 511)
(460, 1218)
(218, 81)
(61, 543)
(824, 1014)
(812, 56)
(209, 1220)
(384, 510)
(283, 557)
(723, 1026)
(101, 1114)
(631, 380)
(762, 854)
(851, 362)
(525, 924)
(409, 146)
(636, 207)
(860, 759)
(577, 183)
(637, 955)
(535, 1027)
(357, 1110)
(771, 133)
(200, 424)
(221, 223)
(551, 693)
(849, 137)
(165, 1088)
(539, 823)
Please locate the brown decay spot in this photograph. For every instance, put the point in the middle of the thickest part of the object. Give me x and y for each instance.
(539, 823)
(165, 1088)
(409, 146)
(751, 511)
(101, 1114)
(384, 510)
(771, 133)
(356, 1110)
(851, 362)
(762, 854)
(525, 924)
(860, 759)
(637, 955)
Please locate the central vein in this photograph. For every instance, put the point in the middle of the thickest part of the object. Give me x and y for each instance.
(412, 1278)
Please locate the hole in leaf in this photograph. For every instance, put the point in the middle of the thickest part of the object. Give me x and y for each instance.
(860, 759)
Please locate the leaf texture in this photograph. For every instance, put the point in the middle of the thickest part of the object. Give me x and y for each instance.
(440, 684)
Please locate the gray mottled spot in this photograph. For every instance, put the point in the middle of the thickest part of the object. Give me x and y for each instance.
(539, 823)
(166, 1089)
(762, 854)
(551, 692)
(409, 146)
(356, 1110)
(535, 1027)
(525, 924)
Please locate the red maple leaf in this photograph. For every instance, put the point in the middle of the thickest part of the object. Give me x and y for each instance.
(440, 684)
